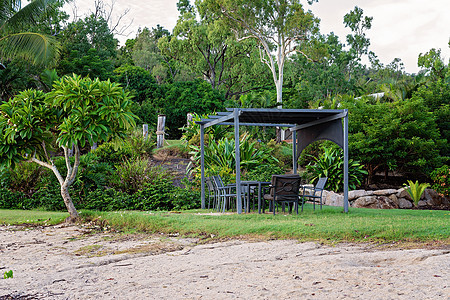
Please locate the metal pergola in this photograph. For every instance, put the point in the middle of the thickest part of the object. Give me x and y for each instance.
(306, 125)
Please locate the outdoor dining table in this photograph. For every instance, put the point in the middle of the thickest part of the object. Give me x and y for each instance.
(259, 185)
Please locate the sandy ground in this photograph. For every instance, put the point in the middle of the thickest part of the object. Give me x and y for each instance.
(72, 262)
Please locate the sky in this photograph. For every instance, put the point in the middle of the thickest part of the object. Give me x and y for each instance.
(400, 28)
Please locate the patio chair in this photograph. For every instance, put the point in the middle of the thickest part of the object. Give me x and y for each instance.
(284, 189)
(314, 193)
(224, 192)
(212, 192)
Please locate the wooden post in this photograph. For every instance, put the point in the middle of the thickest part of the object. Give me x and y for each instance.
(160, 131)
(145, 131)
(190, 117)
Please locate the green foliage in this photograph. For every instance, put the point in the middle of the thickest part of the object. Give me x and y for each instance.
(89, 48)
(400, 135)
(24, 178)
(133, 176)
(331, 164)
(415, 190)
(11, 200)
(441, 179)
(191, 132)
(39, 48)
(137, 80)
(8, 274)
(181, 98)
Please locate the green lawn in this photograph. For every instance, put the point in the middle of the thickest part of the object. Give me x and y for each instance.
(38, 217)
(329, 225)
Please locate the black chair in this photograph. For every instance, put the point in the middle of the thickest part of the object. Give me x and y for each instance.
(314, 193)
(284, 189)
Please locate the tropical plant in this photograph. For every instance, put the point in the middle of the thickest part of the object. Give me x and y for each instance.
(221, 155)
(37, 47)
(78, 110)
(330, 164)
(415, 190)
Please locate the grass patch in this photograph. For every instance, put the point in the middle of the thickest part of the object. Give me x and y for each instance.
(35, 217)
(329, 225)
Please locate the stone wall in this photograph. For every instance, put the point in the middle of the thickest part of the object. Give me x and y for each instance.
(386, 199)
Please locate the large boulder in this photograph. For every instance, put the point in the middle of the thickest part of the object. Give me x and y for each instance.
(402, 193)
(352, 195)
(382, 202)
(432, 197)
(385, 192)
(332, 198)
(394, 199)
(404, 203)
(366, 201)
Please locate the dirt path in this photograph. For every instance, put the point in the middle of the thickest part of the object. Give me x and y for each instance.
(70, 263)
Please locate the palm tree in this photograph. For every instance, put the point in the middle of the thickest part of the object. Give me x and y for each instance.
(36, 47)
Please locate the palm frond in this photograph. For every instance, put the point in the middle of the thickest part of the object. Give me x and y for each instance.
(37, 47)
(28, 14)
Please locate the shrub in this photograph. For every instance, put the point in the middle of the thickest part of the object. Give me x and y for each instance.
(11, 200)
(331, 164)
(132, 176)
(441, 179)
(107, 200)
(155, 196)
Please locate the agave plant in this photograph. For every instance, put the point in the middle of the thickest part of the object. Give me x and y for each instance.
(415, 190)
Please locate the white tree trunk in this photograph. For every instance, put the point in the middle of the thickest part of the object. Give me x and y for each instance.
(67, 182)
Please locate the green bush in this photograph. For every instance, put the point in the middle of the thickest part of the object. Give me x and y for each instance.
(155, 196)
(331, 164)
(441, 179)
(107, 200)
(11, 200)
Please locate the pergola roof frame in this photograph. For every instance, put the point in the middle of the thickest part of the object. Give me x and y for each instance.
(312, 124)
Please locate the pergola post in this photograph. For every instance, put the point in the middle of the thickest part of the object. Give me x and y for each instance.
(294, 152)
(238, 160)
(202, 163)
(346, 162)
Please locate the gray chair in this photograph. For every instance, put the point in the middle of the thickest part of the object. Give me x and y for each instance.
(212, 193)
(224, 193)
(284, 189)
(314, 193)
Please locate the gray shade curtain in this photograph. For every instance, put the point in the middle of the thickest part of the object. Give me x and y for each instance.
(331, 131)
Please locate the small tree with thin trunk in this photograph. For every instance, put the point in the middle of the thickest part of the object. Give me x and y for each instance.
(77, 111)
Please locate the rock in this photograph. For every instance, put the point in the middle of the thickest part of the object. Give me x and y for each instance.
(432, 197)
(402, 193)
(332, 198)
(386, 202)
(404, 203)
(385, 192)
(382, 202)
(352, 195)
(422, 203)
(366, 201)
(394, 199)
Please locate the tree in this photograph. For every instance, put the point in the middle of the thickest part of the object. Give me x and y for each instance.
(358, 41)
(89, 48)
(37, 47)
(209, 51)
(77, 111)
(280, 26)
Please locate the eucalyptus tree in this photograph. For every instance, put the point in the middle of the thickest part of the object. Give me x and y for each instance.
(77, 111)
(280, 27)
(37, 47)
(200, 44)
(359, 43)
